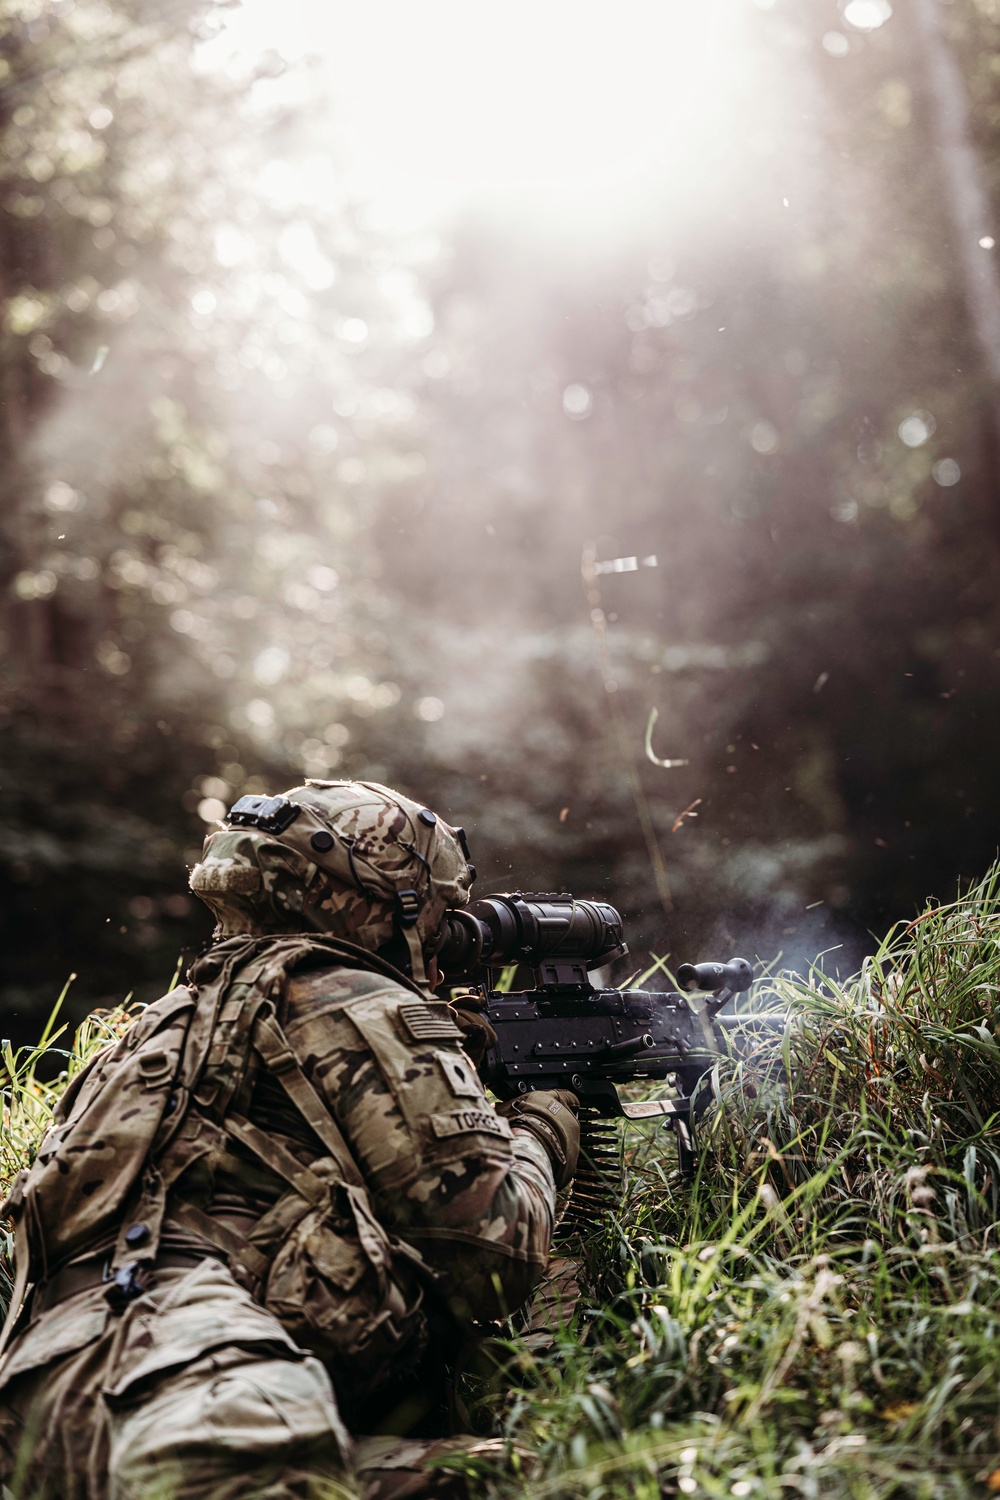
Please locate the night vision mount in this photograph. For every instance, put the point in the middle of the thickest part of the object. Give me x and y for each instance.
(560, 939)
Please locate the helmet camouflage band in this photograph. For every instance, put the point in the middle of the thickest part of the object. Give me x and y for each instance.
(349, 858)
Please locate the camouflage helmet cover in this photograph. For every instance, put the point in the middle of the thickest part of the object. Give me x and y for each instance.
(346, 863)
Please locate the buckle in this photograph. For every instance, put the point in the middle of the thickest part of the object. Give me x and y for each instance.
(407, 907)
(124, 1286)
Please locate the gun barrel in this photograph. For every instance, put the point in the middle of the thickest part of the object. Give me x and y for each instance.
(630, 1047)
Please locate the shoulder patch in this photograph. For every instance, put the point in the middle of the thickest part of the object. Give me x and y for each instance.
(470, 1122)
(429, 1022)
(460, 1075)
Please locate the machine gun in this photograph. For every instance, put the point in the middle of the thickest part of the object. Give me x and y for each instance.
(564, 1033)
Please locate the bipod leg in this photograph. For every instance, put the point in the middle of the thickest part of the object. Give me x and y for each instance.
(686, 1156)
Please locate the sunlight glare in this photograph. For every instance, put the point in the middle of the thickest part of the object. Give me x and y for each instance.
(559, 111)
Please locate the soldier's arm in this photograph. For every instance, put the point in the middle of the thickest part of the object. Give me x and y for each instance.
(474, 1192)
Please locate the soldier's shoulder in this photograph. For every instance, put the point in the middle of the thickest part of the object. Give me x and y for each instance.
(339, 985)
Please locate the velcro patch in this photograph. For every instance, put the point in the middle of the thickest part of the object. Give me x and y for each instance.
(429, 1022)
(470, 1122)
(460, 1075)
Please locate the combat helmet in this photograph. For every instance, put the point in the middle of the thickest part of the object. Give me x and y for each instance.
(350, 858)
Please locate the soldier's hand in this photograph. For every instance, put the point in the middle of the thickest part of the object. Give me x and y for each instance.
(477, 1033)
(551, 1117)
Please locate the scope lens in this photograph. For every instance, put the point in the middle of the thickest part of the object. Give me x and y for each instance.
(527, 928)
(461, 943)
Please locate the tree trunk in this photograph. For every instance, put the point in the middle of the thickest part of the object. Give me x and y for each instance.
(969, 205)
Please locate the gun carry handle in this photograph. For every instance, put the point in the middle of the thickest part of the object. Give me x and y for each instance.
(726, 980)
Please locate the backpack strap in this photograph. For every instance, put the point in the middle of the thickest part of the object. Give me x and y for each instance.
(308, 1189)
(22, 1264)
(276, 1156)
(275, 1051)
(257, 969)
(273, 1046)
(229, 1241)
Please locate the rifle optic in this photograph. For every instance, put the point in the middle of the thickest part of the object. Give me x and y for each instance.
(529, 928)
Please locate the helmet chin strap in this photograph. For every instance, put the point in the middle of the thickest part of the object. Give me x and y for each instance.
(407, 911)
(418, 972)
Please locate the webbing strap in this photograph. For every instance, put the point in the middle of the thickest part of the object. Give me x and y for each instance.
(220, 1235)
(309, 1188)
(272, 1044)
(21, 1261)
(276, 1156)
(307, 949)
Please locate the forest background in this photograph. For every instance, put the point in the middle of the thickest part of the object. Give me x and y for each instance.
(543, 396)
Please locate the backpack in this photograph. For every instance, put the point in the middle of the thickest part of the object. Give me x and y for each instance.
(114, 1115)
(319, 1258)
(160, 1100)
(112, 1119)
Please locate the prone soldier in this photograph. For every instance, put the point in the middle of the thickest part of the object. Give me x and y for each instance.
(263, 1217)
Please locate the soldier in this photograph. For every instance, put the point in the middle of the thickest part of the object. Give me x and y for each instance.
(264, 1216)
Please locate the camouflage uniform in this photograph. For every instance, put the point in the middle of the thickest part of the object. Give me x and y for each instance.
(283, 1273)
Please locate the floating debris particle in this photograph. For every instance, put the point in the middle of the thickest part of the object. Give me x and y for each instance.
(626, 564)
(654, 714)
(689, 812)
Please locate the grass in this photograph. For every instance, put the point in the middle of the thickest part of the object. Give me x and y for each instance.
(818, 1312)
(29, 1100)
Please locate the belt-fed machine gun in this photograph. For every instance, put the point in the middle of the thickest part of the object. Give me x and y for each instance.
(565, 1033)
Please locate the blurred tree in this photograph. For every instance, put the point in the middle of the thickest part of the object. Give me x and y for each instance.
(285, 494)
(972, 216)
(795, 422)
(192, 402)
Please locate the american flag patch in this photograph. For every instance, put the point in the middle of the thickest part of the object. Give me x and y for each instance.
(429, 1022)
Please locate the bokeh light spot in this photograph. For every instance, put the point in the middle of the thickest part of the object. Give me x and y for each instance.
(211, 809)
(60, 497)
(577, 401)
(260, 713)
(270, 665)
(915, 429)
(763, 437)
(867, 15)
(946, 472)
(40, 585)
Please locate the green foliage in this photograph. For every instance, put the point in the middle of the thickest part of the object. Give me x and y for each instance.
(283, 493)
(185, 607)
(30, 1091)
(819, 1311)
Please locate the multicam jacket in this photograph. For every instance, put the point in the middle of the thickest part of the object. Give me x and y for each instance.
(326, 1132)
